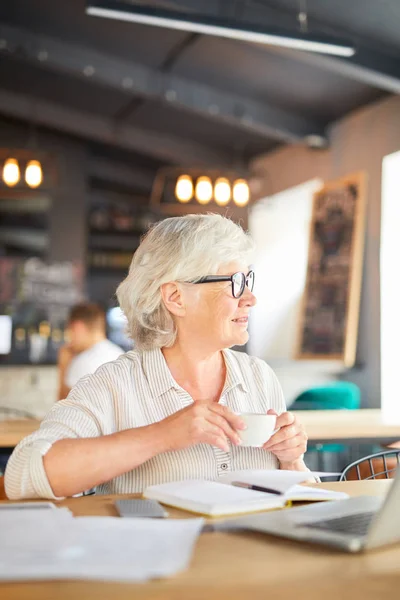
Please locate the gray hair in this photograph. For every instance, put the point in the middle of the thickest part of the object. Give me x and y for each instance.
(175, 249)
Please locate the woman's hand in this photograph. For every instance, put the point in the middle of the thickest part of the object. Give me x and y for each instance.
(201, 423)
(289, 443)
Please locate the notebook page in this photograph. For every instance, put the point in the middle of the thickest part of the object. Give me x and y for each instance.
(276, 479)
(210, 497)
(303, 493)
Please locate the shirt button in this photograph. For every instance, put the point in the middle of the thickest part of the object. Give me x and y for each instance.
(224, 466)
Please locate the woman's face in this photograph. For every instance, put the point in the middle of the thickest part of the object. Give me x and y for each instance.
(213, 317)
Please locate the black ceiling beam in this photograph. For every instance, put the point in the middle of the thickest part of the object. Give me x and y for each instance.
(220, 26)
(369, 67)
(139, 80)
(167, 64)
(177, 51)
(89, 126)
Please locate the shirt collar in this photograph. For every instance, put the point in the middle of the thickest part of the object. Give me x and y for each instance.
(160, 379)
(158, 375)
(234, 375)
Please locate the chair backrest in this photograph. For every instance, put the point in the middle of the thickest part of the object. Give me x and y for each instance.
(332, 396)
(381, 465)
(2, 490)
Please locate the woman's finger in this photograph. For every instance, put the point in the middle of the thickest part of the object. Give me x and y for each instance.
(291, 455)
(214, 435)
(234, 420)
(288, 444)
(280, 436)
(218, 440)
(285, 418)
(223, 424)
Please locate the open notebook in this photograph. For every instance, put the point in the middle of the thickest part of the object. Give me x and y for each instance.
(215, 499)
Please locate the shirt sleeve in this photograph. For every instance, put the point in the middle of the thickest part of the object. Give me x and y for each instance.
(86, 412)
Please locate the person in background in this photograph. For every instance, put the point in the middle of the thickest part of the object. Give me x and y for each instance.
(167, 410)
(87, 349)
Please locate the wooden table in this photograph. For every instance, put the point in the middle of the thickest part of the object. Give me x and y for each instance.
(13, 431)
(233, 566)
(351, 426)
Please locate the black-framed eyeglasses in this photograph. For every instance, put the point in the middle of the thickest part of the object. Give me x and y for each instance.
(238, 280)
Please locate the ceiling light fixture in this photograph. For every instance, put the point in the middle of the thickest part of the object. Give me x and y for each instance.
(184, 188)
(222, 191)
(11, 172)
(33, 173)
(241, 192)
(204, 190)
(227, 28)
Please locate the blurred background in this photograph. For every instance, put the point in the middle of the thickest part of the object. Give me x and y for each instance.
(114, 115)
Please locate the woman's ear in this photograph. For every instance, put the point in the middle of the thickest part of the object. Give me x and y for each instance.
(173, 299)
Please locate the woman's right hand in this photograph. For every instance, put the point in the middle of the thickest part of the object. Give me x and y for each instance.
(201, 423)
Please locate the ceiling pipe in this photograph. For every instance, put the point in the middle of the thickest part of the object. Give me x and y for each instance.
(227, 28)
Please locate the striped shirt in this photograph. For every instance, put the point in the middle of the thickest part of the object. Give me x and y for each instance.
(136, 390)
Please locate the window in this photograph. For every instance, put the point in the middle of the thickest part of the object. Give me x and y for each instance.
(390, 288)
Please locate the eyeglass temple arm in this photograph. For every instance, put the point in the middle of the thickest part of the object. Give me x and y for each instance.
(214, 278)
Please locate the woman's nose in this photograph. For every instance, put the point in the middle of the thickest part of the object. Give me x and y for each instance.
(248, 298)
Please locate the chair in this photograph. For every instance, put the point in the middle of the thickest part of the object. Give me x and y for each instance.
(337, 395)
(332, 396)
(381, 465)
(2, 490)
(4, 456)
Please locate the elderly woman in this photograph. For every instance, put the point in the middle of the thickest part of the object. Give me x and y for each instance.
(166, 410)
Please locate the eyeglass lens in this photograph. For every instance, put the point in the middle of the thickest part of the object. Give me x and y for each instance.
(239, 281)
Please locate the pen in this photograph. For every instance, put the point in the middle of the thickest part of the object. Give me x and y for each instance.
(256, 488)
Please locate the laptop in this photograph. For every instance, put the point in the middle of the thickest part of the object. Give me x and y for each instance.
(353, 525)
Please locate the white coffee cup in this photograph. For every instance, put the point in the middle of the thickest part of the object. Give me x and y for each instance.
(260, 427)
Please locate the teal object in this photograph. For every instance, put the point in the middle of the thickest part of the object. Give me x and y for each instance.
(337, 395)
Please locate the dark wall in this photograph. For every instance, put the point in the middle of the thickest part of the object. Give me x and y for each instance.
(67, 219)
(67, 215)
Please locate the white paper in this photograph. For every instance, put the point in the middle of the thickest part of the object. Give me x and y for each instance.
(29, 506)
(104, 548)
(303, 492)
(276, 479)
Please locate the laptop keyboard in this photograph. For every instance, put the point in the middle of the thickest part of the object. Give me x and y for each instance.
(351, 524)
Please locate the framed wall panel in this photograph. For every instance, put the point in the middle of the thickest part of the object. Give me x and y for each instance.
(329, 317)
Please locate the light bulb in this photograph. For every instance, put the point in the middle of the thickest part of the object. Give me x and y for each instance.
(222, 191)
(33, 173)
(204, 190)
(241, 192)
(184, 188)
(11, 174)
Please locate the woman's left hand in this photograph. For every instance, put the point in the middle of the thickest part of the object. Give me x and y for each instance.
(289, 443)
